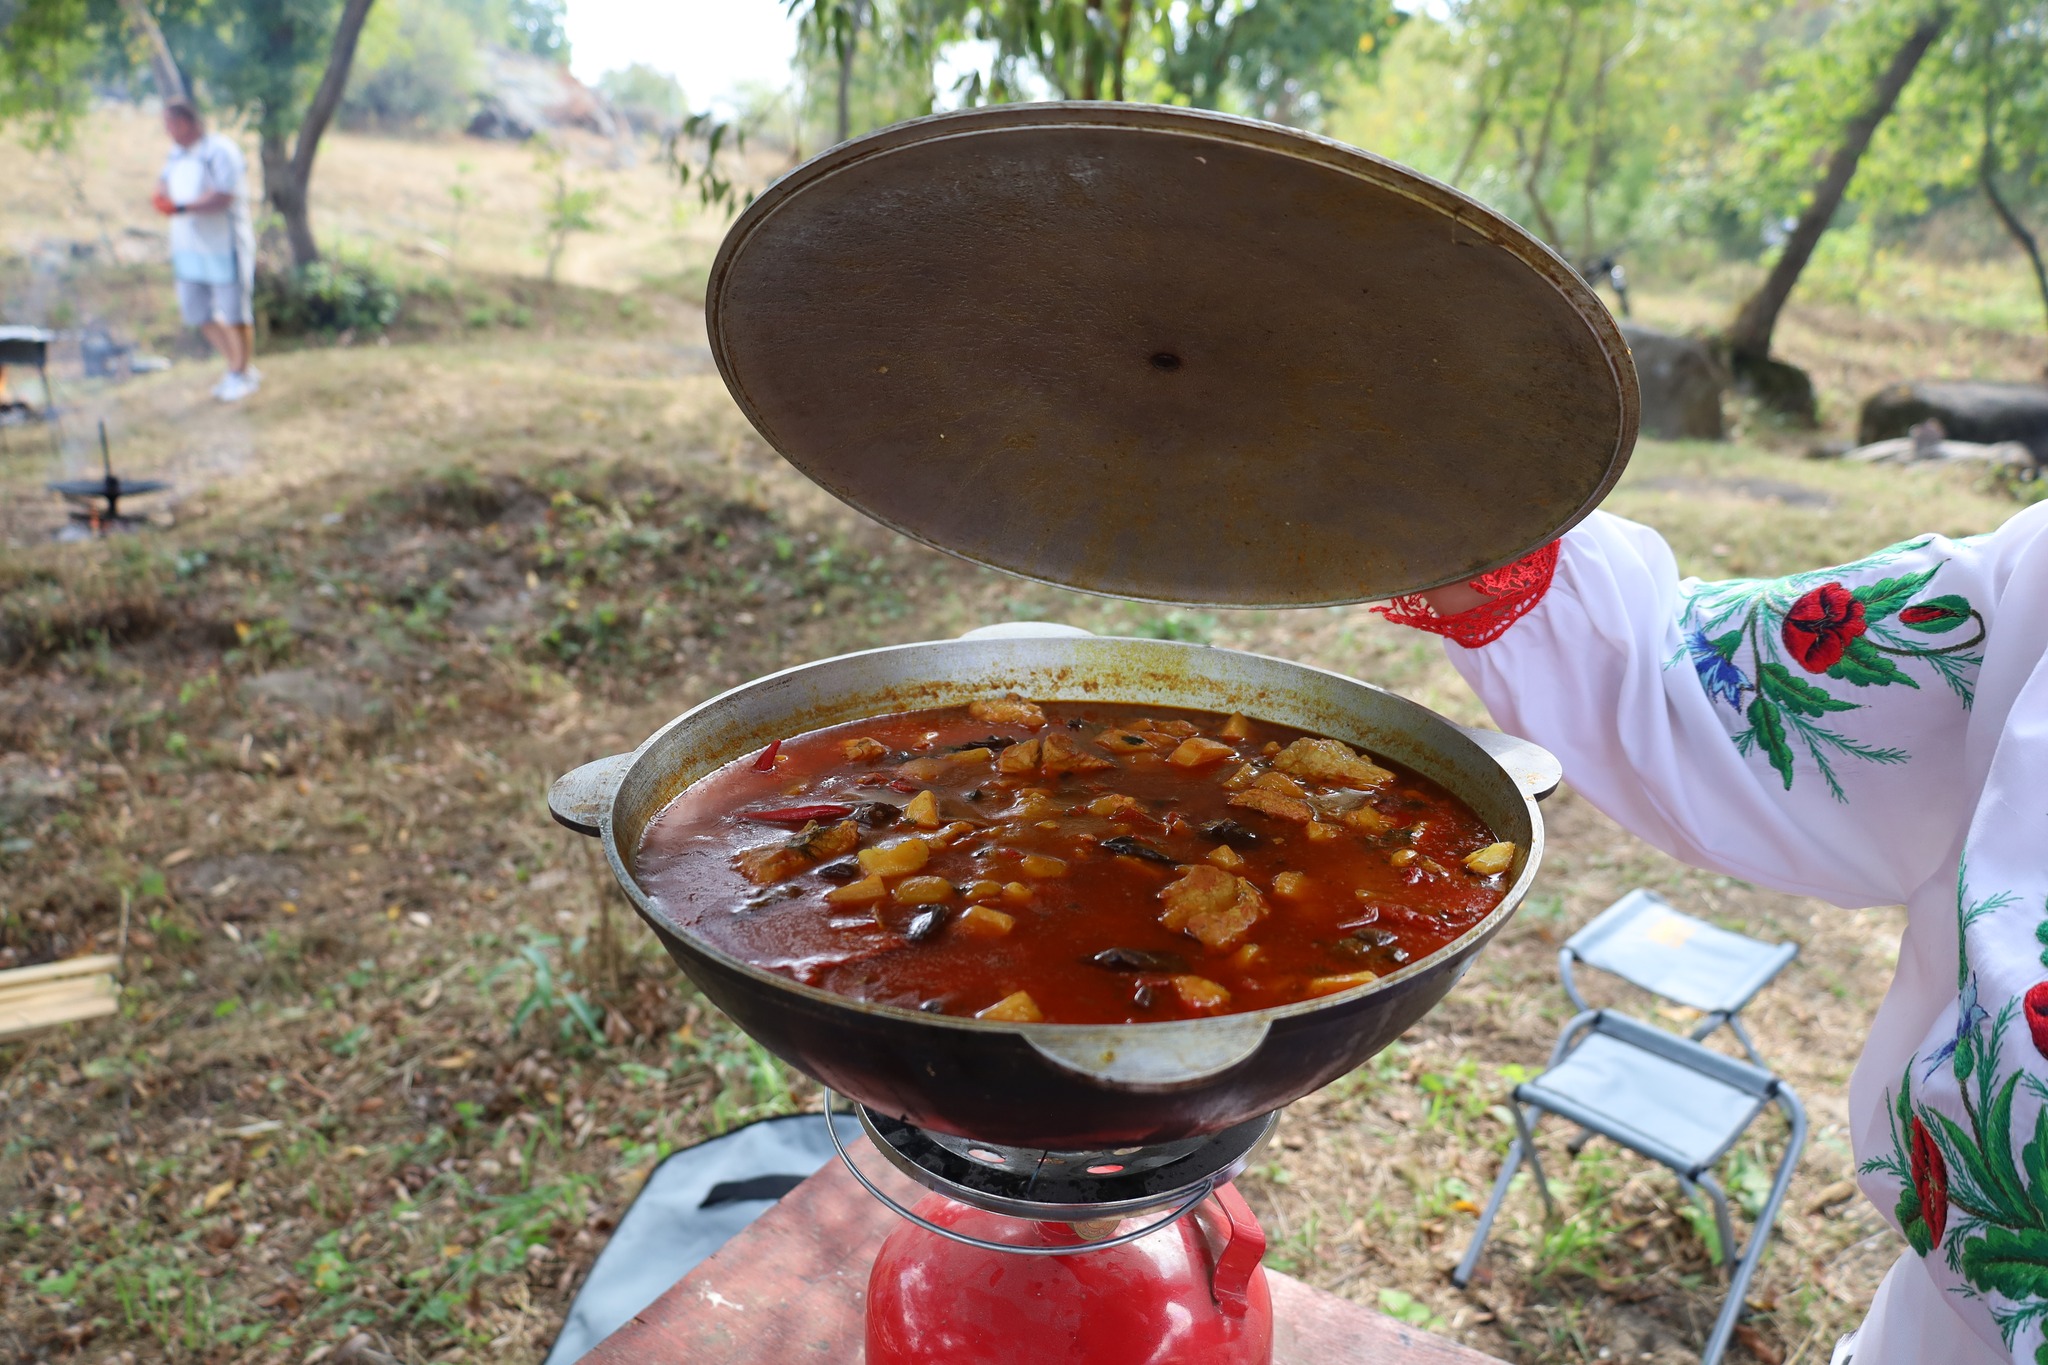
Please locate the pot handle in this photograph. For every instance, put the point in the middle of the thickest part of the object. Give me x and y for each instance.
(1534, 768)
(1171, 1055)
(581, 798)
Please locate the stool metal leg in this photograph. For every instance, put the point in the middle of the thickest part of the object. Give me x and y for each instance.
(1767, 1217)
(1524, 1146)
(1721, 1220)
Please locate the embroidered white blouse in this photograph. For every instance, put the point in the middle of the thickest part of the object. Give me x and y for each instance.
(1870, 734)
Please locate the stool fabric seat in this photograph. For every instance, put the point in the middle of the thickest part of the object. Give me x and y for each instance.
(1669, 1111)
(1643, 940)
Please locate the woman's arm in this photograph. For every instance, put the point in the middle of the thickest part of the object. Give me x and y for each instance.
(1802, 732)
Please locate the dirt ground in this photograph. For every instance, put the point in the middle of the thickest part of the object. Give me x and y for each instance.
(393, 1056)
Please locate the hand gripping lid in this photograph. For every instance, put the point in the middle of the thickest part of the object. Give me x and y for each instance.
(1170, 355)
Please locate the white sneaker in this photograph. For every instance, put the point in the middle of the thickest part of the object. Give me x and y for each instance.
(234, 389)
(220, 385)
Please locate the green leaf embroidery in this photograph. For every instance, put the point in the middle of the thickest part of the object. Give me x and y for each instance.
(1887, 595)
(1918, 1234)
(1998, 1162)
(1726, 645)
(1865, 665)
(1794, 693)
(1953, 609)
(1769, 728)
(2009, 1262)
(2041, 936)
(2035, 1157)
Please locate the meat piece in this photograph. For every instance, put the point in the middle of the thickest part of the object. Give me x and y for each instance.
(1366, 820)
(1330, 760)
(815, 844)
(1274, 804)
(1019, 758)
(863, 750)
(1008, 711)
(1179, 729)
(1279, 782)
(1212, 906)
(1060, 754)
(944, 767)
(1200, 993)
(1133, 741)
(1197, 752)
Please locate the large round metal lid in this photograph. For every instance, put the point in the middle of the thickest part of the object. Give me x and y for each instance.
(1170, 355)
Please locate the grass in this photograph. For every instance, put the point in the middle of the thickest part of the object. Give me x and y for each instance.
(391, 1056)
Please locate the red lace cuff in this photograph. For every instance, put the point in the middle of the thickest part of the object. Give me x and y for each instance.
(1515, 589)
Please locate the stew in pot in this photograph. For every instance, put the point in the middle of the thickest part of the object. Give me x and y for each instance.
(1072, 862)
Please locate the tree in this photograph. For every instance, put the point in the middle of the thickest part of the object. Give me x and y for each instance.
(833, 26)
(1749, 337)
(47, 50)
(2009, 48)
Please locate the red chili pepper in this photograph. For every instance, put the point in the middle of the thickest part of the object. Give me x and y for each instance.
(904, 784)
(766, 762)
(799, 815)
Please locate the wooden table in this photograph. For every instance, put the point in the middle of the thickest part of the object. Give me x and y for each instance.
(791, 1288)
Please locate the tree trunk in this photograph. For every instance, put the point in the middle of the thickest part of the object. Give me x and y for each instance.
(1532, 166)
(1987, 172)
(288, 179)
(1749, 339)
(170, 82)
(1123, 48)
(856, 15)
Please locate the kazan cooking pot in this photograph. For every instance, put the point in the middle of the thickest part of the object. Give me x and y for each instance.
(1063, 1086)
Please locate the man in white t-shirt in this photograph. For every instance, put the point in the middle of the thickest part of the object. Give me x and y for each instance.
(203, 190)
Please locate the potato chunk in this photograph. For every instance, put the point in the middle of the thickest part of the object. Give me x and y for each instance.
(923, 891)
(1237, 727)
(1274, 804)
(1290, 885)
(1179, 729)
(1008, 711)
(895, 860)
(1199, 992)
(1019, 758)
(1491, 860)
(1320, 833)
(1330, 985)
(1015, 1008)
(863, 750)
(1279, 782)
(862, 892)
(1330, 760)
(981, 921)
(923, 810)
(1043, 866)
(1200, 753)
(1223, 855)
(1212, 906)
(1060, 754)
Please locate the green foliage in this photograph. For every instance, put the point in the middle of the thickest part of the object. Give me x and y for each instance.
(569, 209)
(550, 989)
(47, 49)
(415, 69)
(652, 101)
(537, 26)
(326, 298)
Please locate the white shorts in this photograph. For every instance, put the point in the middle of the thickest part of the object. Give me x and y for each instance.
(204, 303)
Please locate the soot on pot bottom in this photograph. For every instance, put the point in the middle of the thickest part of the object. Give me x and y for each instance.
(1071, 863)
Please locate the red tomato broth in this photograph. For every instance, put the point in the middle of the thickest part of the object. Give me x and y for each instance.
(1358, 910)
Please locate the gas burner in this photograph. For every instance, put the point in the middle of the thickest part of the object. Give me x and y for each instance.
(1065, 1186)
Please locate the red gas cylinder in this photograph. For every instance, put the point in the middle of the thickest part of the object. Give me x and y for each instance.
(1192, 1293)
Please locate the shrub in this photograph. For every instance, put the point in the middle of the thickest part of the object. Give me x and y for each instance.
(326, 298)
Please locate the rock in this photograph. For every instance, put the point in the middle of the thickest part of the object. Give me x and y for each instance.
(311, 694)
(1971, 410)
(1907, 450)
(1681, 383)
(524, 95)
(1780, 387)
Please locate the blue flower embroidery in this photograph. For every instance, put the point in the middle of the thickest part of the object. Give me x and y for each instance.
(1722, 679)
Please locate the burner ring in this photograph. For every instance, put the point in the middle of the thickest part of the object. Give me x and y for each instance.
(1059, 1186)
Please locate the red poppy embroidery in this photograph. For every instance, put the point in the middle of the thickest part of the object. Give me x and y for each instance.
(1820, 626)
(2034, 1006)
(1930, 1179)
(1515, 588)
(1927, 613)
